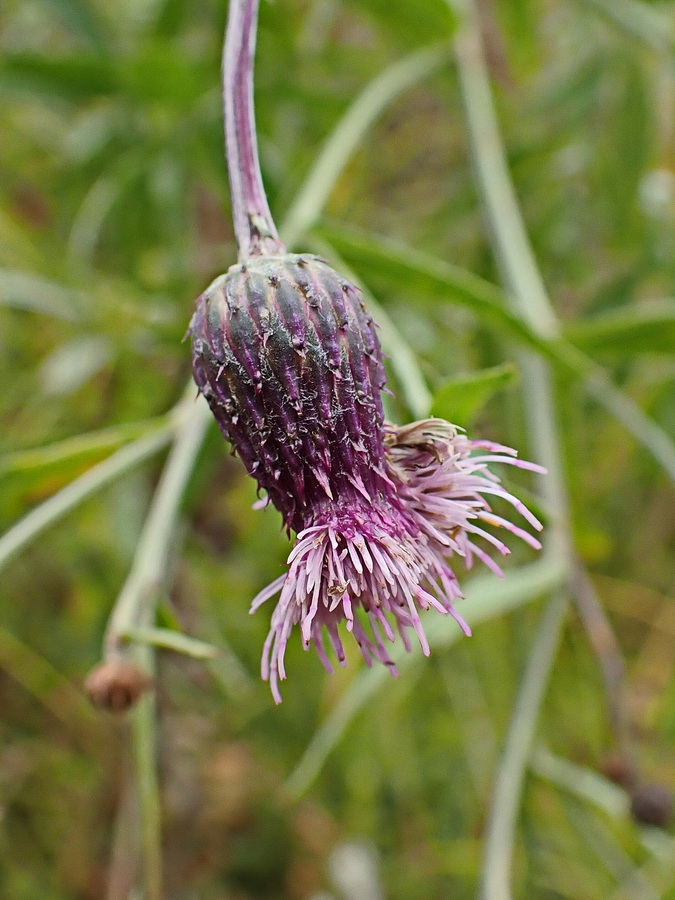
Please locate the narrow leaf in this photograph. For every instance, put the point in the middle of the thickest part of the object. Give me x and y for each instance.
(172, 640)
(80, 447)
(413, 272)
(461, 399)
(649, 327)
(24, 290)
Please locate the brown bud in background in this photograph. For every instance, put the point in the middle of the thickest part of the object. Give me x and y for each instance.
(651, 804)
(116, 685)
(619, 769)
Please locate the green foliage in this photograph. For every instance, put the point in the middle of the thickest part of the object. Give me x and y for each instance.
(113, 218)
(460, 399)
(644, 328)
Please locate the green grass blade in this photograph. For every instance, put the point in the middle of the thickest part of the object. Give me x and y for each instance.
(645, 328)
(349, 132)
(44, 515)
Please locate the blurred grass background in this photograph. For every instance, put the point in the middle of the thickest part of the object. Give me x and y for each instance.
(113, 218)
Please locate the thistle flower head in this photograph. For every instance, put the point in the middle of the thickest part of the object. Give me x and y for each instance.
(289, 361)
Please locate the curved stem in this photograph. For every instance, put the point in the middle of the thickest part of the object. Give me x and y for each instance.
(135, 606)
(511, 245)
(254, 227)
(528, 298)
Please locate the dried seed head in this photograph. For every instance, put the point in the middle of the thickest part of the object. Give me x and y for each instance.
(651, 804)
(116, 685)
(288, 358)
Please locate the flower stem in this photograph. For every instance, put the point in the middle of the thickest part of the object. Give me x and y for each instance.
(136, 608)
(254, 227)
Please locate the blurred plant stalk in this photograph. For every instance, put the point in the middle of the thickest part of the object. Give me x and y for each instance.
(527, 295)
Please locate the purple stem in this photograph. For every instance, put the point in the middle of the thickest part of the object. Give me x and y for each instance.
(254, 227)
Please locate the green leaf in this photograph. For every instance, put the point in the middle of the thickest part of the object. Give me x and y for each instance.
(172, 640)
(461, 399)
(24, 290)
(78, 449)
(649, 327)
(392, 265)
(51, 510)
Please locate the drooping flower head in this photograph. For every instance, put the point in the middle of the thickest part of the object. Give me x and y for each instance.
(287, 357)
(289, 361)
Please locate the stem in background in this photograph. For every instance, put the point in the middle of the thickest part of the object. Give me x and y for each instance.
(527, 295)
(125, 855)
(135, 608)
(136, 603)
(254, 227)
(144, 750)
(500, 830)
(510, 242)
